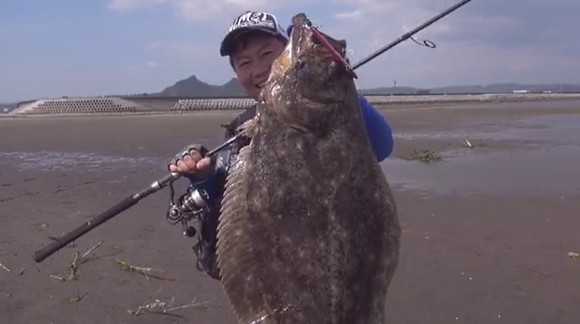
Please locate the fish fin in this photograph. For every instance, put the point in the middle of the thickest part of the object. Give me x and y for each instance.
(233, 253)
(250, 127)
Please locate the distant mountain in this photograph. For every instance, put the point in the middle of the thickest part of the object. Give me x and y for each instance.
(475, 89)
(194, 87)
(507, 87)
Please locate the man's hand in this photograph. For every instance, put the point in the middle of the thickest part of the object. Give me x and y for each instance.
(190, 162)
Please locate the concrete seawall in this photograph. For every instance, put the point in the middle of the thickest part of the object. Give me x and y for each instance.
(162, 105)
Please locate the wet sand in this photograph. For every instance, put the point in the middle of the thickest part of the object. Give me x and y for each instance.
(487, 231)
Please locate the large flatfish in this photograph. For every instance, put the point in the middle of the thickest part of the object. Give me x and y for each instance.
(308, 230)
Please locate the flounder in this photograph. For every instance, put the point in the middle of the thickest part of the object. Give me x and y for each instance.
(308, 231)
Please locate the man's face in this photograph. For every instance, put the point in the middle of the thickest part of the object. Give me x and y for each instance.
(252, 60)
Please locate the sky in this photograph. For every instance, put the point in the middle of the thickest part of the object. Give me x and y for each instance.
(103, 47)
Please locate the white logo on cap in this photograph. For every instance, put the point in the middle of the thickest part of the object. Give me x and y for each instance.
(254, 19)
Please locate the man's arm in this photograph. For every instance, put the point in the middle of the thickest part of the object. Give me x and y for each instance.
(210, 183)
(214, 182)
(378, 129)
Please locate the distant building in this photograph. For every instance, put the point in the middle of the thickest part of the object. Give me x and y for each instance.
(521, 91)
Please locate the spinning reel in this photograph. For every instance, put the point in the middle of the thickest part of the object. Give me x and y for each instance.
(193, 205)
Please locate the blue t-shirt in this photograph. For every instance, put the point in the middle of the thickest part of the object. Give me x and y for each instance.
(378, 130)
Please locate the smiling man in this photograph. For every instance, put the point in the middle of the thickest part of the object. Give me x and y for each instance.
(252, 43)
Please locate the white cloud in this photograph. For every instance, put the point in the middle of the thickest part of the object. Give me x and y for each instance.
(194, 10)
(464, 63)
(205, 10)
(475, 44)
(350, 15)
(151, 64)
(124, 5)
(478, 43)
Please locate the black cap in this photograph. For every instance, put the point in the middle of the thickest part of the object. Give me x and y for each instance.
(251, 21)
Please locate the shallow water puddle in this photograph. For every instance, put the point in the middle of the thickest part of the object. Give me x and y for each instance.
(548, 170)
(63, 161)
(563, 129)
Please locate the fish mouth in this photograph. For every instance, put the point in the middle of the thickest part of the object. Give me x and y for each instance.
(307, 43)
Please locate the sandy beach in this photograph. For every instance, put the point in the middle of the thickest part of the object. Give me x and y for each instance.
(490, 232)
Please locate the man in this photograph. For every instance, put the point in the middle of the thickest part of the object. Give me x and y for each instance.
(253, 42)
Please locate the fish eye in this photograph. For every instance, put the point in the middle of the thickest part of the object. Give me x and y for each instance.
(301, 64)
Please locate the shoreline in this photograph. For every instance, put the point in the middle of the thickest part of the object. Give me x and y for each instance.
(383, 102)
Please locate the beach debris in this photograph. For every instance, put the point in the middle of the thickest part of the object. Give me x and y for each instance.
(78, 259)
(4, 267)
(574, 255)
(126, 266)
(470, 278)
(77, 298)
(74, 267)
(57, 277)
(161, 307)
(467, 143)
(426, 156)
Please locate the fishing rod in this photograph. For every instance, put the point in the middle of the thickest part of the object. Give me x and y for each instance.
(410, 34)
(121, 206)
(157, 185)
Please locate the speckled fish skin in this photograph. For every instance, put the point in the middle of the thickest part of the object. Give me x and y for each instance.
(308, 231)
